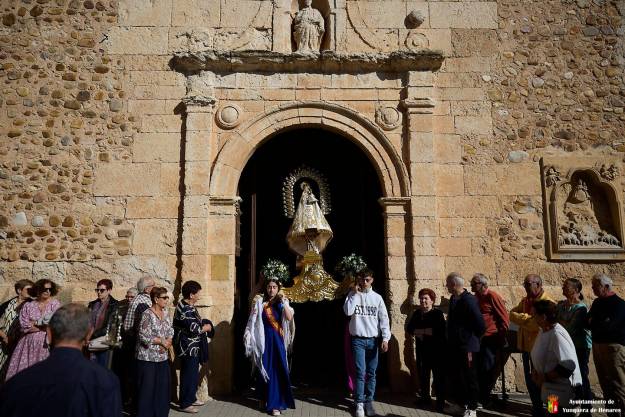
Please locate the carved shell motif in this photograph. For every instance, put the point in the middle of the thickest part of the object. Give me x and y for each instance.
(288, 187)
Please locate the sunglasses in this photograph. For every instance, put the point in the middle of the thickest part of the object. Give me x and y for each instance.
(47, 289)
(164, 297)
(101, 290)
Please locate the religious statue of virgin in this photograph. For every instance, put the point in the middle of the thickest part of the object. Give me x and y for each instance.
(310, 230)
(308, 236)
(308, 28)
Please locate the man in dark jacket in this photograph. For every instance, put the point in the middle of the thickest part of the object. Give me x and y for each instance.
(65, 384)
(606, 320)
(465, 326)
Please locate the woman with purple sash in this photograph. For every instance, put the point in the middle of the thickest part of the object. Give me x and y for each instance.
(268, 336)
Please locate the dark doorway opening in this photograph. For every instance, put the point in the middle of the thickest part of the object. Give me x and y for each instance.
(356, 220)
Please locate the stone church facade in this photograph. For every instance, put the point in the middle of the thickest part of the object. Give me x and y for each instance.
(496, 129)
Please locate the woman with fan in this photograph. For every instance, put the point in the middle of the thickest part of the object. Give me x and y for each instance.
(268, 336)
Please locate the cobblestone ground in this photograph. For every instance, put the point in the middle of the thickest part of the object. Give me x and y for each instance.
(326, 405)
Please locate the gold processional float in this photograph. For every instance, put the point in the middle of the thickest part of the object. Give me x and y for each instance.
(308, 237)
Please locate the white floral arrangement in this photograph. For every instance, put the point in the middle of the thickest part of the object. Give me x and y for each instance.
(275, 270)
(350, 265)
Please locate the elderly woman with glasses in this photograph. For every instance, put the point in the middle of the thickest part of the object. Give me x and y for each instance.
(34, 319)
(153, 343)
(102, 310)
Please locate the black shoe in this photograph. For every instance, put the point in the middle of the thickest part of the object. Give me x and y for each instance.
(424, 402)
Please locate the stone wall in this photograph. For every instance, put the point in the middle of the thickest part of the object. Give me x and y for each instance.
(96, 183)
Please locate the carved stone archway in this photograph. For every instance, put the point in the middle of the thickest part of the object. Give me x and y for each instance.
(222, 215)
(240, 146)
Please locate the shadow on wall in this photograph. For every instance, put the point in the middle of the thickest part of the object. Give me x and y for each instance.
(219, 371)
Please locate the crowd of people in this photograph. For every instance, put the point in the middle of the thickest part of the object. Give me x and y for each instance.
(71, 361)
(555, 341)
(68, 360)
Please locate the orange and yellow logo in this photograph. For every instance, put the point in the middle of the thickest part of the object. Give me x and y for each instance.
(552, 404)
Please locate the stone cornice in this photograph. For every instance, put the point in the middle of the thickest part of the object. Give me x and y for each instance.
(323, 62)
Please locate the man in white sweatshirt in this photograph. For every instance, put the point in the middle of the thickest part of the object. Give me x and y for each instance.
(369, 321)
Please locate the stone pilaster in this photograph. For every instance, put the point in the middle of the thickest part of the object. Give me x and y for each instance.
(199, 112)
(396, 213)
(223, 219)
(418, 107)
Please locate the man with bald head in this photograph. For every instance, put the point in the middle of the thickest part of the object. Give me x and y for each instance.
(523, 316)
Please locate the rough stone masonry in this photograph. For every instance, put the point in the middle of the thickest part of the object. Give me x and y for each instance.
(111, 161)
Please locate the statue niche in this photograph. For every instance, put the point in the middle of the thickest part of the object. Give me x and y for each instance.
(584, 220)
(308, 28)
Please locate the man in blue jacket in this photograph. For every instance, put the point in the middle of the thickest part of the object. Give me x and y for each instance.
(65, 384)
(465, 326)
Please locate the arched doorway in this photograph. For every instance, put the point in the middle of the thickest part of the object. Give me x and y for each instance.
(358, 226)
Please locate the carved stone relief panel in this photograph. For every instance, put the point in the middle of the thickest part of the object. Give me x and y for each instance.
(583, 209)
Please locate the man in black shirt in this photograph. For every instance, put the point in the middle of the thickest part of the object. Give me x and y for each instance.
(65, 384)
(606, 320)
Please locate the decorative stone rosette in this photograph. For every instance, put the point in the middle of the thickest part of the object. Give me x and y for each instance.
(388, 117)
(228, 116)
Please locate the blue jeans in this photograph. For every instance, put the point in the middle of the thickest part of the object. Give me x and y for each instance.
(365, 352)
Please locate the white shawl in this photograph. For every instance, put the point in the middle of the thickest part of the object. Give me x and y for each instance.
(254, 336)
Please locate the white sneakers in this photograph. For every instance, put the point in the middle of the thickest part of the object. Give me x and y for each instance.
(470, 413)
(365, 409)
(369, 410)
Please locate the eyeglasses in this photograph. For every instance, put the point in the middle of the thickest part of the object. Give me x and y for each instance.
(101, 290)
(47, 289)
(165, 297)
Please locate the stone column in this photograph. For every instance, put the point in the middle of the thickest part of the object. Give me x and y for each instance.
(419, 108)
(396, 213)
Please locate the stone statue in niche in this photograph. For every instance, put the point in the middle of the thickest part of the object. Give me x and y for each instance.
(584, 217)
(308, 28)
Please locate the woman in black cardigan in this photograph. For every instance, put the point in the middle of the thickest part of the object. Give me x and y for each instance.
(191, 344)
(427, 326)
